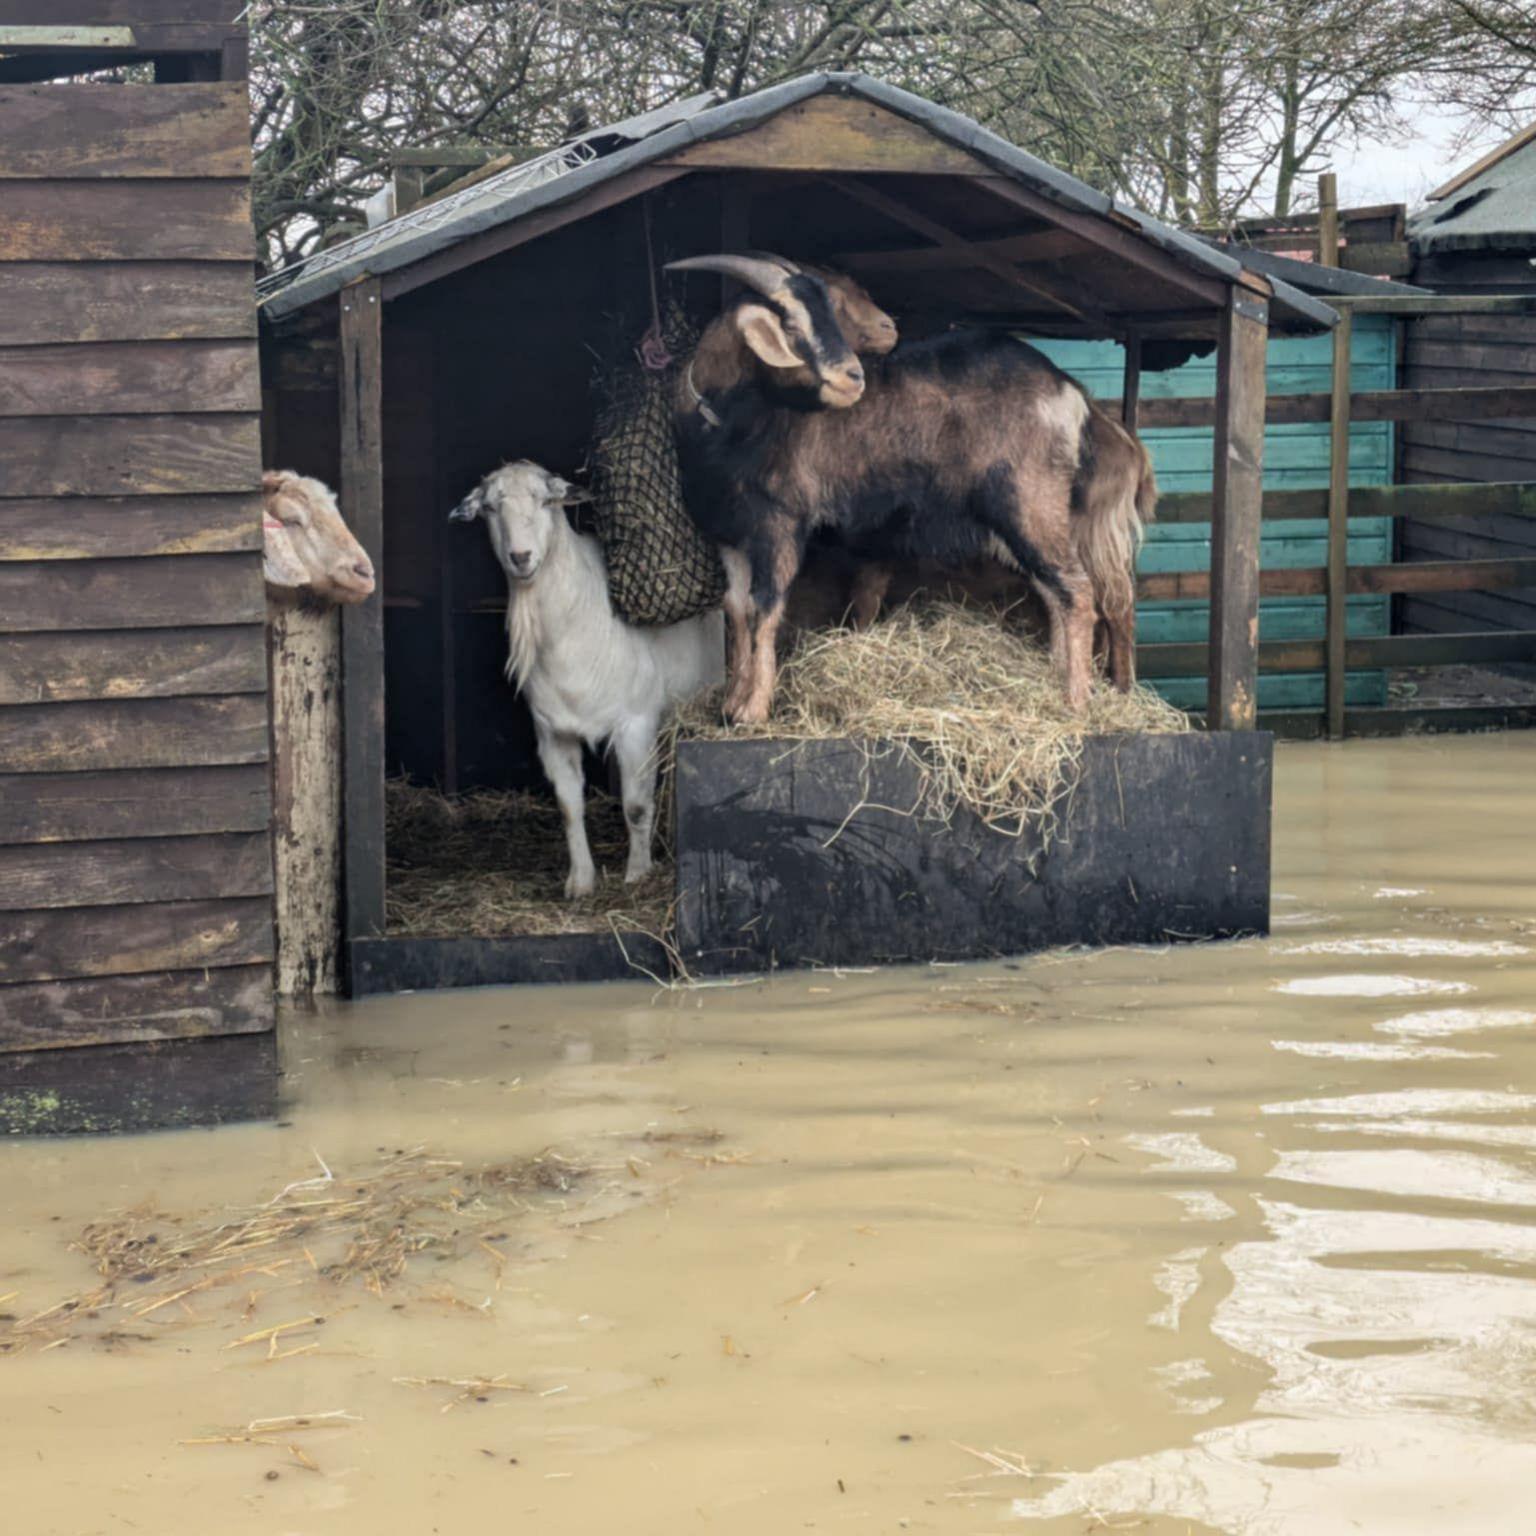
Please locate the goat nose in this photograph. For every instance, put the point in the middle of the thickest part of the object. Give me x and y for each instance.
(363, 570)
(520, 557)
(854, 374)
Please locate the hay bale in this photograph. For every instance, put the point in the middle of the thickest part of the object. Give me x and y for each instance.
(974, 703)
(661, 569)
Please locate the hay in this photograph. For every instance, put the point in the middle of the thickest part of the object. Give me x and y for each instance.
(953, 689)
(493, 863)
(359, 1230)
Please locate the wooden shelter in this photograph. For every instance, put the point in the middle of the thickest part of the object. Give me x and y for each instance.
(135, 867)
(1475, 238)
(407, 361)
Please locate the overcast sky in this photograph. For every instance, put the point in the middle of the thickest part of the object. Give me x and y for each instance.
(1405, 172)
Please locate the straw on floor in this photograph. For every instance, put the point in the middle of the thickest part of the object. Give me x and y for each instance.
(494, 863)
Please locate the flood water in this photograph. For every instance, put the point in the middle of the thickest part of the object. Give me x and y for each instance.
(1231, 1238)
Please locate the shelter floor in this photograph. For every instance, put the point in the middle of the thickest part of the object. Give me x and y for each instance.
(1235, 1237)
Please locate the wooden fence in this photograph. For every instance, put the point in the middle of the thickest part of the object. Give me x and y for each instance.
(1338, 580)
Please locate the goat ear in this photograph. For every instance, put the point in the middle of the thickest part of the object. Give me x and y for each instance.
(468, 509)
(280, 563)
(564, 492)
(761, 330)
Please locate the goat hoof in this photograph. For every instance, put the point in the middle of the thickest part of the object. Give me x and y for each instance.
(579, 885)
(636, 873)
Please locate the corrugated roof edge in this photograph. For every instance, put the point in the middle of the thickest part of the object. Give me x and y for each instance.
(729, 119)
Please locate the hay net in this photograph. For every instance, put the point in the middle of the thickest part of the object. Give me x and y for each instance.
(661, 569)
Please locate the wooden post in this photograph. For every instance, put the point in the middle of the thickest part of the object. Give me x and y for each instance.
(362, 626)
(1338, 525)
(1130, 393)
(304, 668)
(1236, 503)
(1328, 219)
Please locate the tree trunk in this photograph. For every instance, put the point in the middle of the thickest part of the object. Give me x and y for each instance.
(304, 661)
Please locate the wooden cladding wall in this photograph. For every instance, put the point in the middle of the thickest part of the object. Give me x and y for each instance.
(1470, 352)
(135, 863)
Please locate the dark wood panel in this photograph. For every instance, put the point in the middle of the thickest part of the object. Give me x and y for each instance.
(58, 13)
(44, 302)
(361, 308)
(1188, 660)
(156, 591)
(150, 802)
(119, 527)
(131, 664)
(76, 131)
(1505, 498)
(1462, 612)
(1457, 575)
(1419, 405)
(111, 941)
(1420, 460)
(129, 455)
(109, 378)
(142, 1086)
(125, 221)
(138, 733)
(164, 1005)
(123, 873)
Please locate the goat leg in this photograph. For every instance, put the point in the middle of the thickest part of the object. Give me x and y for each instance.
(738, 612)
(561, 757)
(634, 744)
(870, 584)
(765, 668)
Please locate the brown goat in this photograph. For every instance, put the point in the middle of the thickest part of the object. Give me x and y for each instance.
(970, 445)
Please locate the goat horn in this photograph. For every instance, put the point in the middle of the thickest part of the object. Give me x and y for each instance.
(767, 277)
(783, 261)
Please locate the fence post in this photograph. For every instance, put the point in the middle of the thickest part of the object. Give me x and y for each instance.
(1338, 525)
(1328, 219)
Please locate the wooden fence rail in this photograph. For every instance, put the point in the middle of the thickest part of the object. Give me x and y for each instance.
(1336, 581)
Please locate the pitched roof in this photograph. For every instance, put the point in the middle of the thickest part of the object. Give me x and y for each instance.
(603, 154)
(1490, 206)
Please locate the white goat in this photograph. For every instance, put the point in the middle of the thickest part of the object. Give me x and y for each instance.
(588, 676)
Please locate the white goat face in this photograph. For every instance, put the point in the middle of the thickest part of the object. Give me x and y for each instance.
(306, 544)
(522, 506)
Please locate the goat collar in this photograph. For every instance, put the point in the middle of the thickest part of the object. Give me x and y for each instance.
(704, 408)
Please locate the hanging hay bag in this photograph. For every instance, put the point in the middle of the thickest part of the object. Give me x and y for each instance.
(661, 569)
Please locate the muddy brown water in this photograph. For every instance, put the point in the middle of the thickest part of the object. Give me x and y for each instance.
(1235, 1238)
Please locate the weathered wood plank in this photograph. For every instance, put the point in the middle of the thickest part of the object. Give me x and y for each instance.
(47, 302)
(1436, 303)
(163, 1005)
(1509, 498)
(123, 221)
(1402, 576)
(1042, 245)
(77, 131)
(1338, 526)
(46, 668)
(109, 378)
(362, 626)
(155, 592)
(56, 945)
(1189, 660)
(137, 733)
(833, 133)
(129, 455)
(1377, 258)
(1236, 499)
(142, 1086)
(305, 664)
(123, 527)
(133, 13)
(36, 876)
(151, 802)
(1420, 405)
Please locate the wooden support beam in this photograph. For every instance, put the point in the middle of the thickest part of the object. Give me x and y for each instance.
(1338, 526)
(1130, 392)
(900, 213)
(362, 502)
(1114, 235)
(1236, 504)
(1042, 245)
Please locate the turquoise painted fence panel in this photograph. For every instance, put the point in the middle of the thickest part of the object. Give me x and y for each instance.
(1295, 458)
